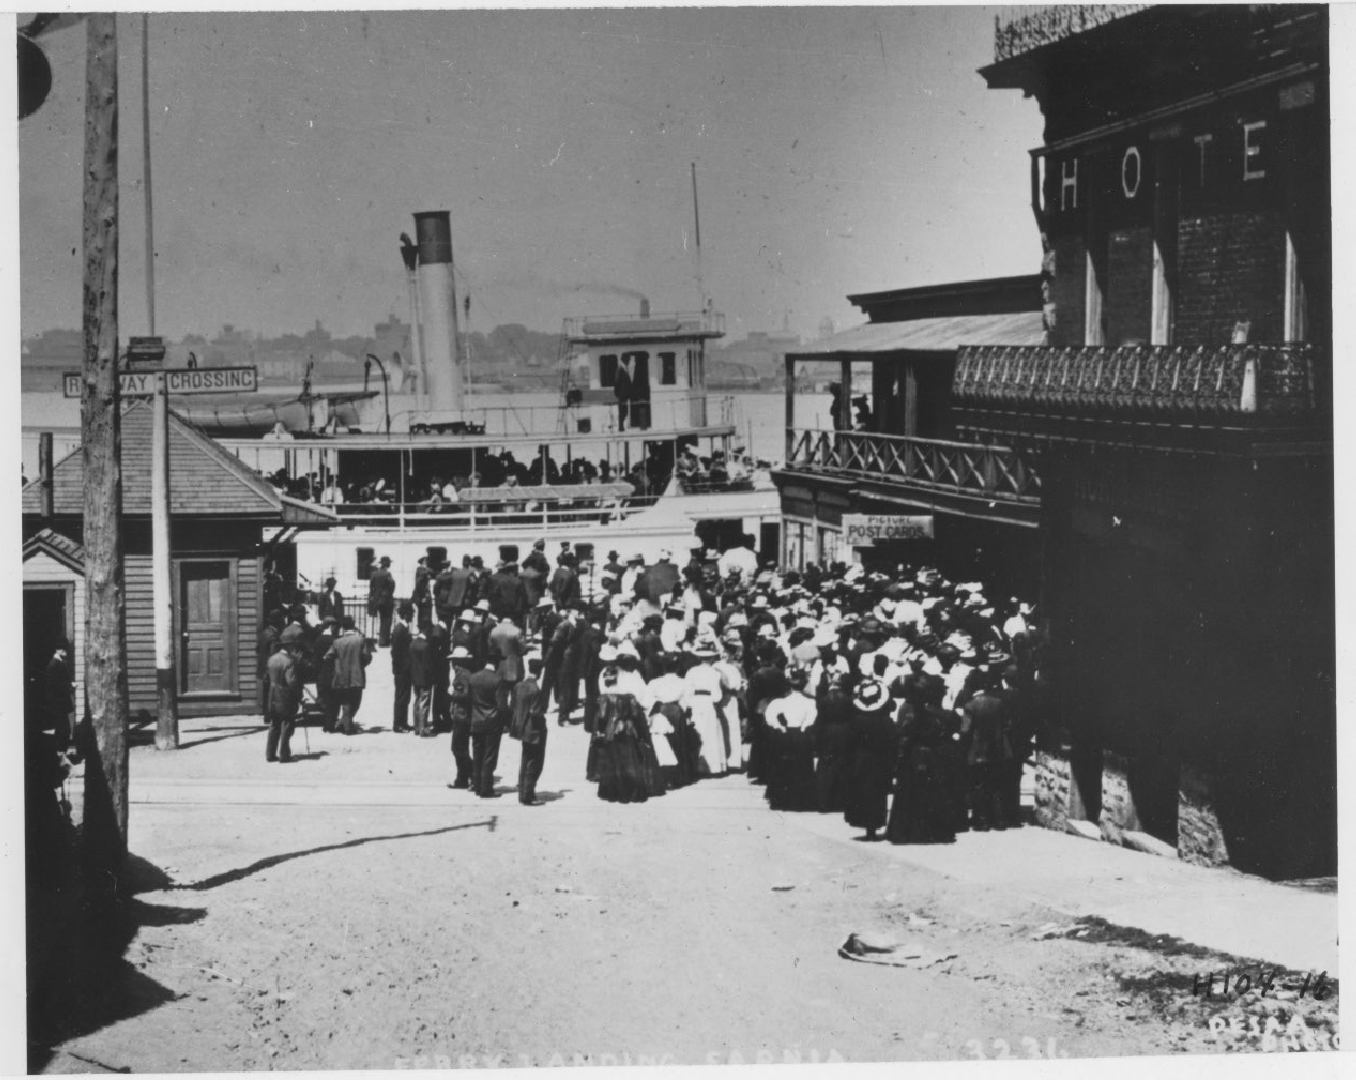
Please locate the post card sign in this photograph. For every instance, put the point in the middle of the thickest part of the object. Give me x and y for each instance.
(861, 530)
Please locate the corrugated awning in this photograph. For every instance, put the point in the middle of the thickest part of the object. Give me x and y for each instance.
(929, 335)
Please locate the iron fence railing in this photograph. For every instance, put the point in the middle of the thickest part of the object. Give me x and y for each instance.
(1233, 384)
(1022, 28)
(995, 472)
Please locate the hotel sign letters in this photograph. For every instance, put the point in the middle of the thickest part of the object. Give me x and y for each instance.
(860, 530)
(1220, 160)
(229, 380)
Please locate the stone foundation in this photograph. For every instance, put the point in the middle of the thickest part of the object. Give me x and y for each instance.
(1118, 805)
(1054, 786)
(1199, 836)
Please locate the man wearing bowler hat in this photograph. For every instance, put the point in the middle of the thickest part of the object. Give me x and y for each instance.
(381, 599)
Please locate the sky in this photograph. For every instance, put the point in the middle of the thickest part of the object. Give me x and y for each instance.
(838, 150)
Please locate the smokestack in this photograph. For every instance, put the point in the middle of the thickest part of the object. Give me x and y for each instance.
(438, 310)
(45, 474)
(644, 307)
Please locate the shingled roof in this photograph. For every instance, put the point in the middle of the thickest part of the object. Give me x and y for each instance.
(62, 548)
(205, 479)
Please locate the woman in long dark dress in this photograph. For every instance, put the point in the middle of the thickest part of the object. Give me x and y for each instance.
(833, 745)
(875, 745)
(623, 772)
(790, 739)
(924, 810)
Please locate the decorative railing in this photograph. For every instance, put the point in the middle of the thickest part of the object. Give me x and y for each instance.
(994, 472)
(582, 327)
(1233, 384)
(1023, 28)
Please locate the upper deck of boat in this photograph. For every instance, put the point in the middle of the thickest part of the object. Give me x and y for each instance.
(409, 441)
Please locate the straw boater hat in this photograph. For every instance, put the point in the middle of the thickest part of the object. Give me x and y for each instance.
(628, 649)
(545, 601)
(871, 696)
(469, 615)
(608, 654)
(460, 652)
(482, 605)
(704, 649)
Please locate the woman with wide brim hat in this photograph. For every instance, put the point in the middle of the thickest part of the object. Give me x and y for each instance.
(874, 743)
(704, 689)
(619, 744)
(924, 809)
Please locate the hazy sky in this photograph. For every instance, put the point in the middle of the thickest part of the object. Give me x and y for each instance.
(838, 150)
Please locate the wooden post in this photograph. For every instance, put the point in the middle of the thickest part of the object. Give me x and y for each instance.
(845, 401)
(105, 827)
(146, 168)
(162, 587)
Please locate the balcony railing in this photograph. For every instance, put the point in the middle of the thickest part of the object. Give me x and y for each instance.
(1023, 28)
(975, 469)
(1234, 385)
(706, 323)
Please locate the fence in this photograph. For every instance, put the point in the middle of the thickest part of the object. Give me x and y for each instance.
(995, 472)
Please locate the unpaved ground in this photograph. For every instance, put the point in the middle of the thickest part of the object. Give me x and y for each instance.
(349, 911)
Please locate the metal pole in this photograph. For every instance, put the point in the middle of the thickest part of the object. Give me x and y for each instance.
(162, 587)
(146, 166)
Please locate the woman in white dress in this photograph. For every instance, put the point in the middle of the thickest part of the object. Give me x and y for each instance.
(703, 690)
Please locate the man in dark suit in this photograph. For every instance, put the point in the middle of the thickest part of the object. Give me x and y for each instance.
(400, 667)
(988, 756)
(461, 716)
(423, 668)
(507, 593)
(284, 695)
(422, 595)
(508, 643)
(565, 581)
(331, 602)
(486, 728)
(351, 653)
(443, 585)
(381, 599)
(529, 725)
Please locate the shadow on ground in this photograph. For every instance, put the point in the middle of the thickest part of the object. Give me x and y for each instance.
(228, 876)
(78, 979)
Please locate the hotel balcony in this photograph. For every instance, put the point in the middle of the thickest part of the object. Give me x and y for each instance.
(1250, 399)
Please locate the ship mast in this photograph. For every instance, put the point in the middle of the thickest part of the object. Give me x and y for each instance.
(697, 222)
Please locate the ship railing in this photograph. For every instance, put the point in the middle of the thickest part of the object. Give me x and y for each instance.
(995, 472)
(550, 423)
(589, 506)
(673, 322)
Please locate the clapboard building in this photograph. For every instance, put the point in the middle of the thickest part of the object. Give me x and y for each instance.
(226, 522)
(1180, 417)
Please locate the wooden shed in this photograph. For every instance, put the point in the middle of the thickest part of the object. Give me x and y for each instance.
(226, 521)
(54, 605)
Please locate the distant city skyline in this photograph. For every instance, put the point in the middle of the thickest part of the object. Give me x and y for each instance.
(838, 150)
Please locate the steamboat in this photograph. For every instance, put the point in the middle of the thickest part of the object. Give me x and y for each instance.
(635, 456)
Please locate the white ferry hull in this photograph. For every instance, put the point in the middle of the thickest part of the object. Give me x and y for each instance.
(670, 524)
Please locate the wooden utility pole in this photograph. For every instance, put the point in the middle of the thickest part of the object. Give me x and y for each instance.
(100, 429)
(146, 169)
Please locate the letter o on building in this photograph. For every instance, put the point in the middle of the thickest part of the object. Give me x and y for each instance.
(1130, 189)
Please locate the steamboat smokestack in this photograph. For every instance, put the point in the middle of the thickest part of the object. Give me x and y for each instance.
(644, 307)
(438, 310)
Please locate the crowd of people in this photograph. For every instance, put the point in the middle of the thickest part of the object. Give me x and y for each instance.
(904, 701)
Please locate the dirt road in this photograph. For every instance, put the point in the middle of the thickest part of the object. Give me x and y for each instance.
(350, 911)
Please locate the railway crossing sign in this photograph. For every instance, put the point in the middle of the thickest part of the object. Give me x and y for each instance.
(225, 380)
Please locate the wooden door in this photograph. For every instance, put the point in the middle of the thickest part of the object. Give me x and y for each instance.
(207, 654)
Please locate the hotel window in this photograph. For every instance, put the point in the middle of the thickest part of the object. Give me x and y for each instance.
(1295, 302)
(1094, 289)
(1165, 247)
(607, 370)
(668, 369)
